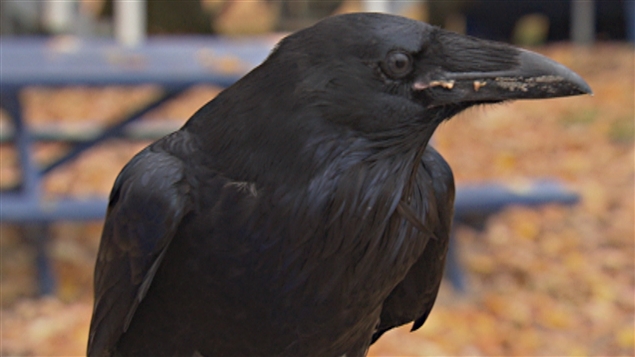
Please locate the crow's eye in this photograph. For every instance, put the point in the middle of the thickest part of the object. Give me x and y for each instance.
(397, 64)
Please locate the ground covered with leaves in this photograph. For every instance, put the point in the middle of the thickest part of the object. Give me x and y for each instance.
(547, 281)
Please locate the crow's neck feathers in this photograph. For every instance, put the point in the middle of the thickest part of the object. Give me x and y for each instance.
(274, 128)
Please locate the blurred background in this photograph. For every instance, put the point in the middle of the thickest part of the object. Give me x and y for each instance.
(548, 269)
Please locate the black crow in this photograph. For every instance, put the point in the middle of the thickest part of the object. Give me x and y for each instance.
(301, 212)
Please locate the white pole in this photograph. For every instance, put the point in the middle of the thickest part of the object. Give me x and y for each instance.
(583, 21)
(377, 6)
(130, 21)
(58, 15)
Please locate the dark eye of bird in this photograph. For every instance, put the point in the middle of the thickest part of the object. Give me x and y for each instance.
(398, 64)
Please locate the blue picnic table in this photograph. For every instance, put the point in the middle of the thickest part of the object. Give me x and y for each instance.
(175, 64)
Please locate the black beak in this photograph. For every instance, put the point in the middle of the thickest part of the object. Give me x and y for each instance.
(523, 75)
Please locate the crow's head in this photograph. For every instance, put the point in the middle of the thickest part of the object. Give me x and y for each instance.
(376, 72)
(379, 80)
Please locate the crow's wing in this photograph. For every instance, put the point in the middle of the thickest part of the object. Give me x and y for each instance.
(413, 298)
(147, 203)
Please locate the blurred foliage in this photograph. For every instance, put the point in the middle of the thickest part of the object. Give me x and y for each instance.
(531, 30)
(173, 17)
(623, 131)
(230, 17)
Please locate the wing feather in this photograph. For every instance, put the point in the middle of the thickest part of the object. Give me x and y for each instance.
(413, 298)
(148, 201)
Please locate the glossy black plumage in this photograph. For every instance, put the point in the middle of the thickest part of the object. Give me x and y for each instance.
(301, 212)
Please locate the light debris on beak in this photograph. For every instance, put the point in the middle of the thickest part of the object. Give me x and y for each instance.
(478, 85)
(512, 84)
(444, 84)
(441, 83)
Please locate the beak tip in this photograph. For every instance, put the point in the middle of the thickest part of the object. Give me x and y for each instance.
(581, 86)
(533, 64)
(587, 90)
